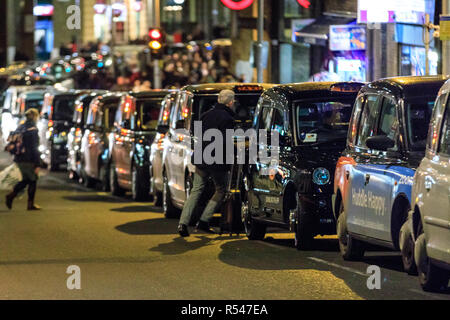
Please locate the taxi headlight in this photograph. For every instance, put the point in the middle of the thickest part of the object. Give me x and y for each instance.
(321, 176)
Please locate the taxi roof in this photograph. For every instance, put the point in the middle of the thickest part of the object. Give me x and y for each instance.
(409, 86)
(215, 88)
(156, 93)
(305, 90)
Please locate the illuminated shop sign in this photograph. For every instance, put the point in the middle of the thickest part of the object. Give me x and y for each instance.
(347, 37)
(394, 11)
(43, 10)
(237, 5)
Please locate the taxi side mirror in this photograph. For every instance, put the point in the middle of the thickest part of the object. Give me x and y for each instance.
(381, 143)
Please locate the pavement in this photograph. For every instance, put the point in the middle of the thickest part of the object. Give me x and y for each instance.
(127, 250)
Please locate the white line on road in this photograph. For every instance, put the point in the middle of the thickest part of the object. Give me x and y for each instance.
(338, 266)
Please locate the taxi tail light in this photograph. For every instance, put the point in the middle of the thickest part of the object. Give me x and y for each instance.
(129, 105)
(186, 112)
(161, 142)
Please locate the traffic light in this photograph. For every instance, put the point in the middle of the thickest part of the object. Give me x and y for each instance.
(156, 43)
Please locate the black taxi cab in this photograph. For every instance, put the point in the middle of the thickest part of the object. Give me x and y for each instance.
(293, 189)
(195, 100)
(135, 128)
(96, 141)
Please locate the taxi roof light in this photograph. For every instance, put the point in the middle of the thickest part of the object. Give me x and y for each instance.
(347, 87)
(252, 88)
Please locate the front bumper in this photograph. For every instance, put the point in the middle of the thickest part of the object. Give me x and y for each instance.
(320, 209)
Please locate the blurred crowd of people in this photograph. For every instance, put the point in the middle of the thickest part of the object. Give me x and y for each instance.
(180, 68)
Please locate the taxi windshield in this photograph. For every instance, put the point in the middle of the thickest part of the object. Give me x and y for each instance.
(149, 111)
(63, 109)
(244, 107)
(418, 116)
(322, 121)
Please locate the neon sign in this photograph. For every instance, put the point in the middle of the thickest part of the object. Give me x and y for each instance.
(237, 5)
(304, 3)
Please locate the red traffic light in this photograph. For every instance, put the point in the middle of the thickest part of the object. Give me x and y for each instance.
(155, 34)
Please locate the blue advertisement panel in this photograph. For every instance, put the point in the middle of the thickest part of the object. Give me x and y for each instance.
(347, 38)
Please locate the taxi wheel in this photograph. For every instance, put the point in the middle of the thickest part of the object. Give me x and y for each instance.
(351, 249)
(253, 229)
(116, 190)
(170, 211)
(54, 166)
(304, 236)
(158, 199)
(140, 189)
(104, 179)
(431, 277)
(407, 245)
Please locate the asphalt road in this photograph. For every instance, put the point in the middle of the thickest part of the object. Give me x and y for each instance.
(128, 250)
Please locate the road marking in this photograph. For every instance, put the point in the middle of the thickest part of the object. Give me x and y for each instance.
(338, 266)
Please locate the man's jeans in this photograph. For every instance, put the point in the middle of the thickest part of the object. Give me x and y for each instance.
(220, 179)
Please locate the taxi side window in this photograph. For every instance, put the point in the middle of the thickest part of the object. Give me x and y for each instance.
(388, 125)
(98, 117)
(369, 119)
(353, 127)
(265, 114)
(434, 126)
(278, 122)
(118, 117)
(444, 147)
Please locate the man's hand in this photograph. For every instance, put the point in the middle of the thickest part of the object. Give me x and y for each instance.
(36, 170)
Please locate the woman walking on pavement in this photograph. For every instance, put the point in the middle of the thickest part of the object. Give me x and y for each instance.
(28, 160)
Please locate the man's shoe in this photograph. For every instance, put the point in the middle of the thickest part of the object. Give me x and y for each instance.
(183, 230)
(33, 207)
(9, 200)
(204, 226)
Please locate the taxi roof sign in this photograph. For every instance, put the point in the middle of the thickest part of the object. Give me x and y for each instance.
(248, 88)
(347, 87)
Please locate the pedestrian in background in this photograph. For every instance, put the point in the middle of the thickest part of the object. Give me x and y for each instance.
(220, 117)
(28, 160)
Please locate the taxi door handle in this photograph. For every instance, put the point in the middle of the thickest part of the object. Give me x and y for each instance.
(367, 179)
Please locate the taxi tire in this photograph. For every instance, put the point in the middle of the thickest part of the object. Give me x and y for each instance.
(54, 166)
(140, 189)
(158, 199)
(431, 277)
(104, 178)
(116, 190)
(304, 236)
(254, 230)
(170, 211)
(352, 249)
(407, 250)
